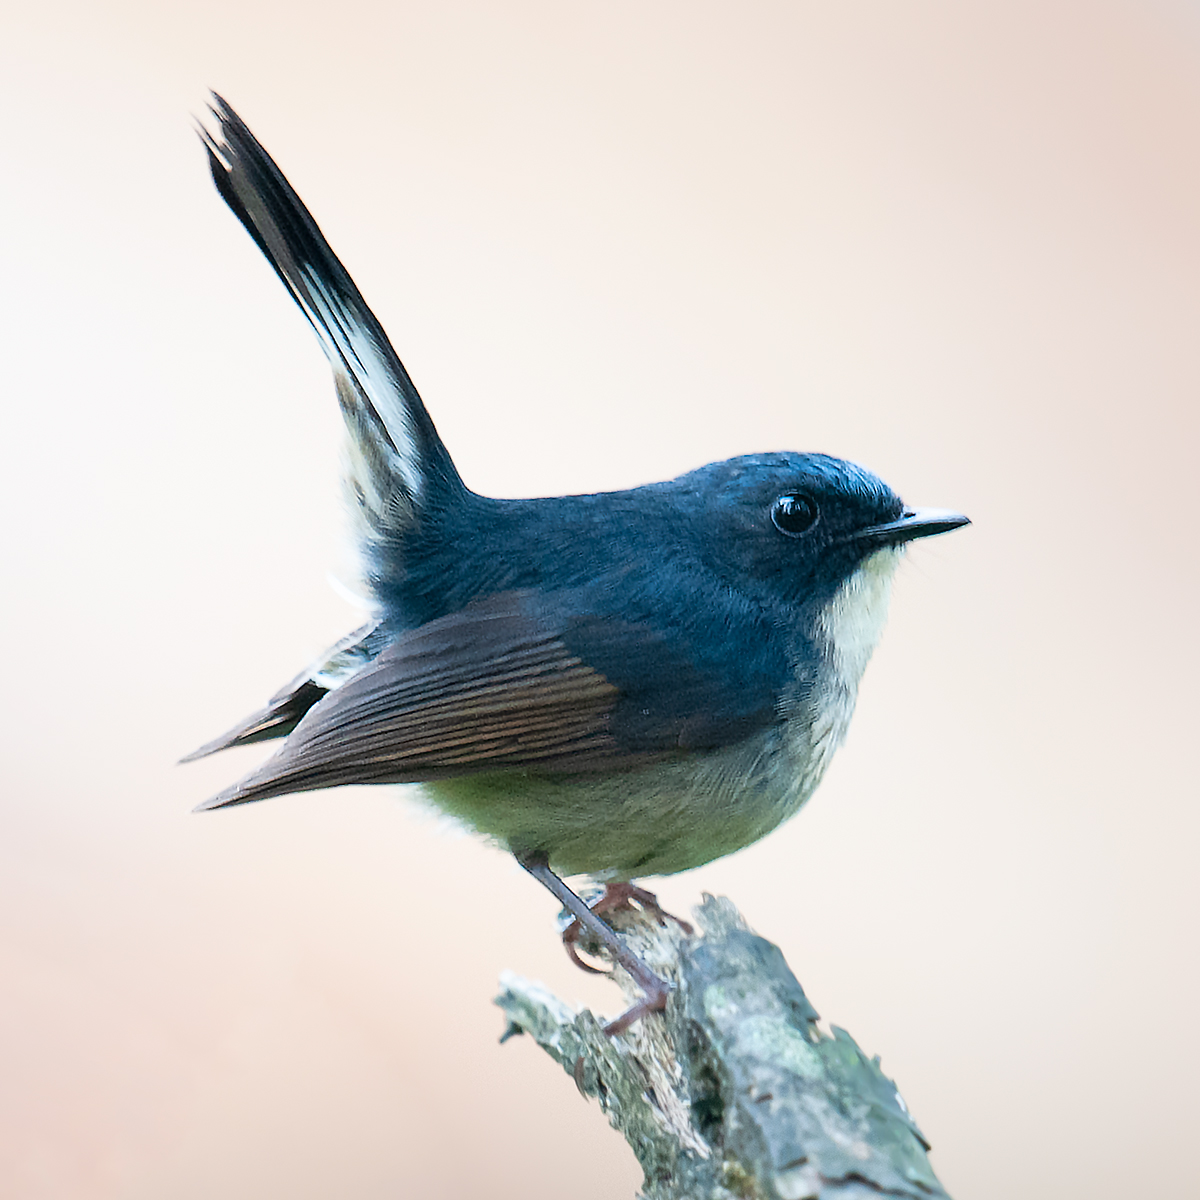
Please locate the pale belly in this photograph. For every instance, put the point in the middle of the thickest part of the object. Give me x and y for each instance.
(655, 820)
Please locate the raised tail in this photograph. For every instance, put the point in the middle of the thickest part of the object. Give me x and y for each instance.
(397, 466)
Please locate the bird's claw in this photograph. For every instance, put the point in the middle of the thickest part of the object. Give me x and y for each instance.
(620, 897)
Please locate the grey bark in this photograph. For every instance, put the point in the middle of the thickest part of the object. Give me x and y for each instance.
(734, 1091)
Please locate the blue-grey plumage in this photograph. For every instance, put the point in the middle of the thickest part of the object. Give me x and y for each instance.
(621, 684)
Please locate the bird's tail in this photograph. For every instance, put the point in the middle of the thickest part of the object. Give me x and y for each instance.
(397, 466)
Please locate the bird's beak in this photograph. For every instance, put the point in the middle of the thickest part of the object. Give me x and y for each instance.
(914, 523)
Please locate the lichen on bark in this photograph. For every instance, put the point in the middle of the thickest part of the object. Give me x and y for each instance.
(734, 1091)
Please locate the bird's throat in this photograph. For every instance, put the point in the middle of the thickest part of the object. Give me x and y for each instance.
(850, 625)
(846, 631)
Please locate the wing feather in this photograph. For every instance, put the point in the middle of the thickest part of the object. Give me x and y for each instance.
(283, 711)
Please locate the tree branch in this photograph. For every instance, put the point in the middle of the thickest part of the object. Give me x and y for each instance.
(734, 1091)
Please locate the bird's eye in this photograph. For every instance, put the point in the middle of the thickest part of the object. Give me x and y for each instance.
(794, 513)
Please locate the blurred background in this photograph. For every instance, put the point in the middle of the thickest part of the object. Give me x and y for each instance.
(958, 242)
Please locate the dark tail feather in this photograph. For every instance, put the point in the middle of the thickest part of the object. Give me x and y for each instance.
(398, 465)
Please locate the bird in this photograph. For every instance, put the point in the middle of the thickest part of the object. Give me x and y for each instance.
(614, 685)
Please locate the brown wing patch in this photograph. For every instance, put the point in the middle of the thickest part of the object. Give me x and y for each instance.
(490, 687)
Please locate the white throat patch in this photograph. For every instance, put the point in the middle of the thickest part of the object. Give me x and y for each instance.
(848, 630)
(851, 623)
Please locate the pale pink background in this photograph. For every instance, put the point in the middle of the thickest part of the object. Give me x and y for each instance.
(959, 242)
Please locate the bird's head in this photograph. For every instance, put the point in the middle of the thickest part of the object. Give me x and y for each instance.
(800, 525)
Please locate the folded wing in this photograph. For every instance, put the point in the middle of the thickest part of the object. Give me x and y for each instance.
(502, 685)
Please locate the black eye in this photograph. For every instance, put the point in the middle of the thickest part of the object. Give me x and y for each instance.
(794, 513)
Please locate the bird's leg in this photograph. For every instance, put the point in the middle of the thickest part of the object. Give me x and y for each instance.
(616, 898)
(656, 990)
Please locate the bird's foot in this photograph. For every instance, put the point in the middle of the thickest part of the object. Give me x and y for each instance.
(618, 897)
(655, 1000)
(655, 991)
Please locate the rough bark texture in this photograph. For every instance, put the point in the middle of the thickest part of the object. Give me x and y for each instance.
(734, 1091)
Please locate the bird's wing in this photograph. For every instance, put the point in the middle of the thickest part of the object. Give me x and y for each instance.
(510, 683)
(283, 711)
(396, 459)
